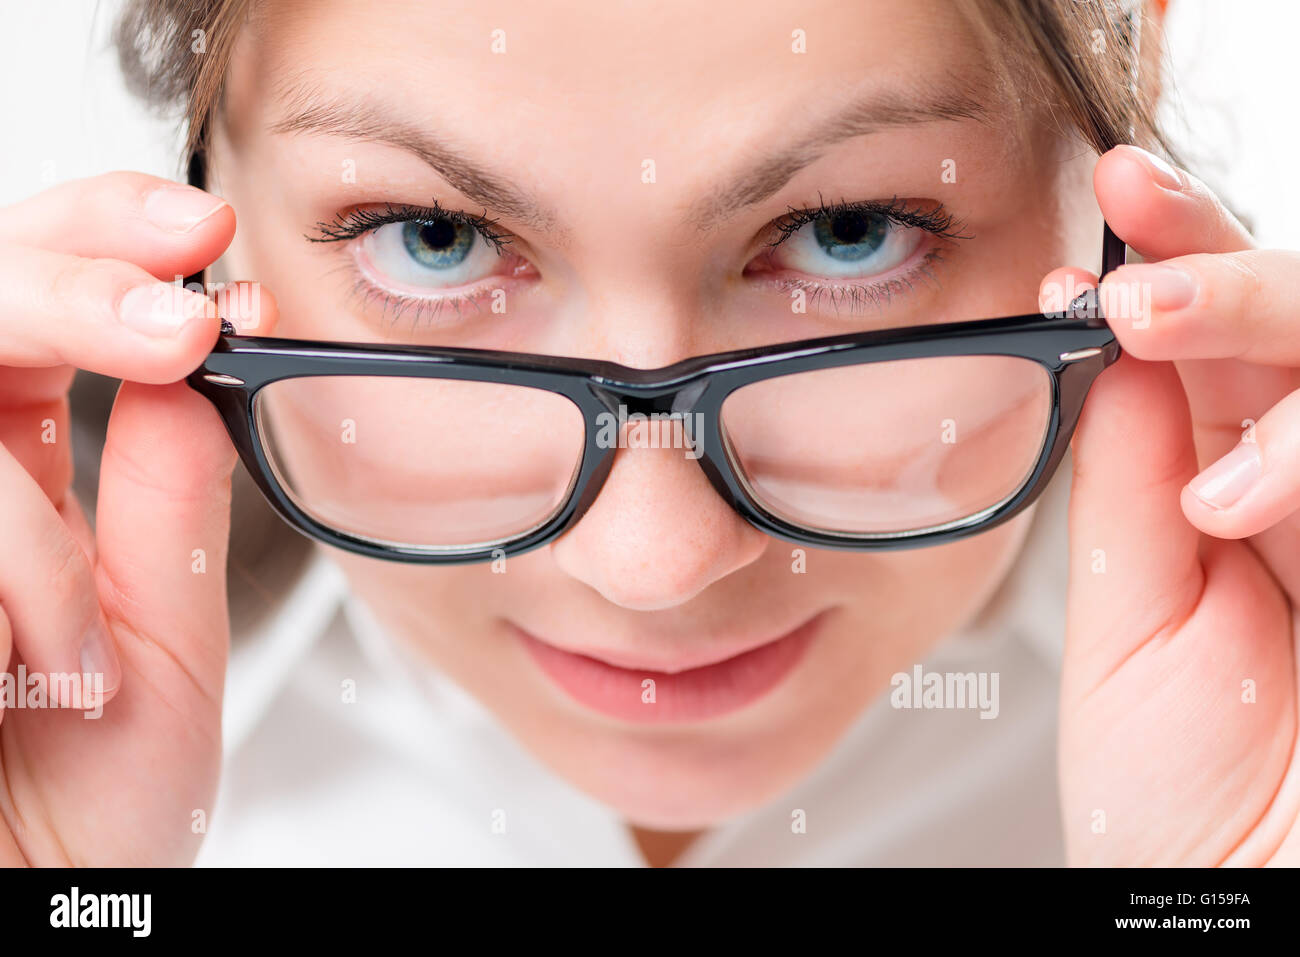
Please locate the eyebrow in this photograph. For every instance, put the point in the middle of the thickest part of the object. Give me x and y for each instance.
(309, 109)
(865, 115)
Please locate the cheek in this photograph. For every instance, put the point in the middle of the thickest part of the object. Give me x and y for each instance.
(948, 585)
(438, 610)
(897, 606)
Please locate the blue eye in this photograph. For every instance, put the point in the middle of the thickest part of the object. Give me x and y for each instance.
(441, 244)
(419, 254)
(848, 244)
(850, 237)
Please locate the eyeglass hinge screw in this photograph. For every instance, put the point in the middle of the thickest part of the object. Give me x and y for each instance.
(220, 378)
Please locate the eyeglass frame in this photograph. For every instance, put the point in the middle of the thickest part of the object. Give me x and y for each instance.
(1074, 348)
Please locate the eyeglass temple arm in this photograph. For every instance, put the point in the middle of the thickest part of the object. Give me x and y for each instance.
(196, 174)
(1114, 253)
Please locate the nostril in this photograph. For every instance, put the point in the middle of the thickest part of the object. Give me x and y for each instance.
(655, 586)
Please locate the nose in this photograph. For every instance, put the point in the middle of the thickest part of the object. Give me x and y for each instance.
(658, 534)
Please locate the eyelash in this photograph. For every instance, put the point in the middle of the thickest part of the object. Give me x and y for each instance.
(877, 293)
(859, 296)
(937, 221)
(357, 222)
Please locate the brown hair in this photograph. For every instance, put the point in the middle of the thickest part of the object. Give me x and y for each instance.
(1076, 59)
(1082, 61)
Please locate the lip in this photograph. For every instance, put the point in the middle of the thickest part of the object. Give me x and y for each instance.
(693, 689)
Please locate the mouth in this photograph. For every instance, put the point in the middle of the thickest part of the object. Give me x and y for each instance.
(661, 690)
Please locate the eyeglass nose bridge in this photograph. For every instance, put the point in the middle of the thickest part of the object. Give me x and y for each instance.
(689, 398)
(650, 398)
(674, 397)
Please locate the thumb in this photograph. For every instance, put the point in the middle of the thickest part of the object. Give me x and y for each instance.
(1134, 567)
(163, 529)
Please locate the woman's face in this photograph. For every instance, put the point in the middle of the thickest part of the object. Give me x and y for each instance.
(639, 161)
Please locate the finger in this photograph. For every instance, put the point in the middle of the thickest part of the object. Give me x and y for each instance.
(1062, 286)
(1217, 308)
(1228, 398)
(1256, 484)
(165, 228)
(6, 659)
(103, 315)
(1223, 319)
(74, 517)
(1133, 556)
(36, 434)
(20, 386)
(1160, 211)
(47, 589)
(1227, 306)
(251, 309)
(166, 468)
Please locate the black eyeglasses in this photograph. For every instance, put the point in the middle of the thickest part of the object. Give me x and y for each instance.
(894, 438)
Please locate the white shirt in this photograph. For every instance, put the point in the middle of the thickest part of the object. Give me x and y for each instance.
(416, 772)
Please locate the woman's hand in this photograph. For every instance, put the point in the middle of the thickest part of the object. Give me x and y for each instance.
(141, 598)
(1179, 696)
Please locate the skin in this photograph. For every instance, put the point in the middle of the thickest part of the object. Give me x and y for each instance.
(660, 561)
(1195, 600)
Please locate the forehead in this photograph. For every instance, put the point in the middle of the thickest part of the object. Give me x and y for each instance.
(651, 68)
(562, 106)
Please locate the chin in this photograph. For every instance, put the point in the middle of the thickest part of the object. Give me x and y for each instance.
(687, 778)
(685, 796)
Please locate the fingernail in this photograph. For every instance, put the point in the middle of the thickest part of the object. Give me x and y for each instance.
(1227, 480)
(99, 659)
(179, 209)
(1162, 174)
(1171, 288)
(162, 309)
